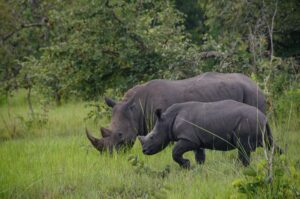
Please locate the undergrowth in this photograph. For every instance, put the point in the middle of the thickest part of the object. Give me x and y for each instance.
(49, 157)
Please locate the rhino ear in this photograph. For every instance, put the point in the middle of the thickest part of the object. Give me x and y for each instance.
(109, 101)
(105, 132)
(158, 113)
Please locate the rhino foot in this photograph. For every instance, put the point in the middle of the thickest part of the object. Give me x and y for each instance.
(186, 164)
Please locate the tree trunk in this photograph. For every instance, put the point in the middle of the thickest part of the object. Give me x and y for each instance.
(58, 98)
(30, 102)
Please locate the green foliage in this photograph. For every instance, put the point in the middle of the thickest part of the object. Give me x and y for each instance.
(287, 36)
(195, 18)
(16, 121)
(24, 29)
(160, 190)
(98, 112)
(287, 107)
(255, 181)
(244, 34)
(114, 44)
(66, 49)
(142, 169)
(247, 18)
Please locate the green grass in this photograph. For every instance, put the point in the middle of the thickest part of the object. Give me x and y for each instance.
(55, 160)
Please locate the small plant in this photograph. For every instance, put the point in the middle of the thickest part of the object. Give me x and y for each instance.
(160, 190)
(288, 106)
(18, 125)
(141, 168)
(39, 118)
(255, 181)
(99, 112)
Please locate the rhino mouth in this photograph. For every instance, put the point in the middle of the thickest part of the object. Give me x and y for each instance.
(124, 145)
(148, 151)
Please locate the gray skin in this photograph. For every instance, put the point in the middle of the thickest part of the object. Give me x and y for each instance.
(134, 116)
(223, 125)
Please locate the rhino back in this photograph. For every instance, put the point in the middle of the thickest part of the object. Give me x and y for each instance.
(210, 124)
(208, 87)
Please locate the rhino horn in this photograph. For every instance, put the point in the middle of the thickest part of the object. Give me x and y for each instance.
(95, 142)
(105, 132)
(109, 101)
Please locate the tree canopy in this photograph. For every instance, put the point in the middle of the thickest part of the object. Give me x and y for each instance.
(82, 48)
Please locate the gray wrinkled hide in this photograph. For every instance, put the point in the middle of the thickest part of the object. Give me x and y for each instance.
(222, 125)
(217, 125)
(160, 94)
(134, 115)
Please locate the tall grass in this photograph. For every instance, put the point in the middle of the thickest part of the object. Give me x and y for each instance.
(55, 160)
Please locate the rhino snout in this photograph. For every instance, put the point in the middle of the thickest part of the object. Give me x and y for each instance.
(142, 140)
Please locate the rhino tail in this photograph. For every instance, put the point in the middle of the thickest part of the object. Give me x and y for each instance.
(270, 142)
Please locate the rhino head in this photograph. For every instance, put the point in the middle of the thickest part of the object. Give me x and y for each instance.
(159, 137)
(123, 128)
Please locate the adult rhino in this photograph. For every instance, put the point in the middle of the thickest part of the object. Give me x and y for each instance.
(134, 115)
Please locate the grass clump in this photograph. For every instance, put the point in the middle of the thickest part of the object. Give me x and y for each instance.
(255, 183)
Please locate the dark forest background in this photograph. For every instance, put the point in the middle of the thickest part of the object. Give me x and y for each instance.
(85, 49)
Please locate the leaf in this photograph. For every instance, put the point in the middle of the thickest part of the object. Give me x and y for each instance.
(250, 172)
(279, 172)
(293, 171)
(237, 182)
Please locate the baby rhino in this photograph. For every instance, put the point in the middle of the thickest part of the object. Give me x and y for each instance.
(222, 125)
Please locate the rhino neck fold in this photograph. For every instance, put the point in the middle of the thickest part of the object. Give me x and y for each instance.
(171, 136)
(142, 114)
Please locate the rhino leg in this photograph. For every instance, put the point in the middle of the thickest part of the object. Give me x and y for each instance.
(199, 156)
(244, 156)
(179, 149)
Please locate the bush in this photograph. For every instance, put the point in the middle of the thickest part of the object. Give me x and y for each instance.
(255, 182)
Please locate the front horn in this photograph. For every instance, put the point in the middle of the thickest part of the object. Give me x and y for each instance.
(95, 142)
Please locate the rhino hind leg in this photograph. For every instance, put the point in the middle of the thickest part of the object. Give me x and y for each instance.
(244, 156)
(277, 149)
(179, 149)
(244, 146)
(199, 156)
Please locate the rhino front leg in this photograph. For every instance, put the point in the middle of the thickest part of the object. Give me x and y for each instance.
(179, 149)
(199, 156)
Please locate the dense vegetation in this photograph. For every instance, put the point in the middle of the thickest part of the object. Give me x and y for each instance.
(82, 48)
(59, 58)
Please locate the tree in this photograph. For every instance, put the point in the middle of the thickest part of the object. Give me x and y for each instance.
(24, 29)
(195, 18)
(103, 44)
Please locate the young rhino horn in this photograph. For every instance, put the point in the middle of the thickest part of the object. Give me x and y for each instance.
(141, 139)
